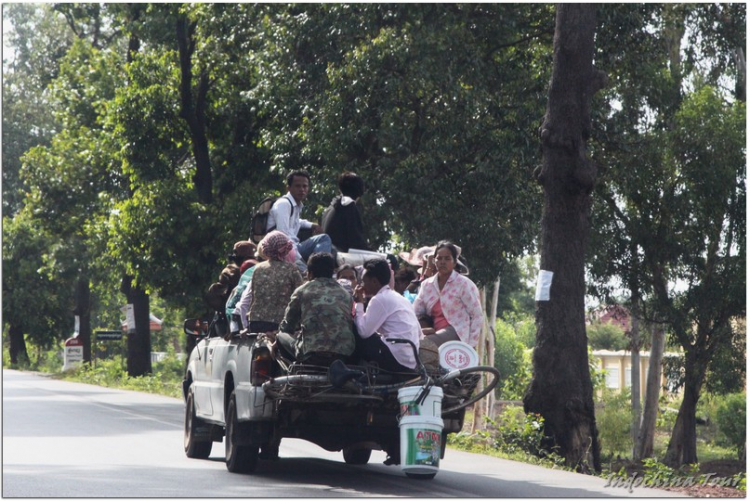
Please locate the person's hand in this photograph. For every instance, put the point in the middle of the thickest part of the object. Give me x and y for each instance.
(317, 229)
(359, 293)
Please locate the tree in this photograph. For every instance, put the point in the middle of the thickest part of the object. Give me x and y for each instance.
(561, 389)
(711, 246)
(647, 230)
(34, 303)
(430, 104)
(69, 181)
(644, 445)
(39, 39)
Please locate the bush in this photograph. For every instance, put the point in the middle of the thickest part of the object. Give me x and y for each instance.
(512, 362)
(515, 431)
(606, 337)
(165, 379)
(731, 418)
(614, 421)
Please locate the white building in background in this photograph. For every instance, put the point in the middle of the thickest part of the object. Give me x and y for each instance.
(617, 365)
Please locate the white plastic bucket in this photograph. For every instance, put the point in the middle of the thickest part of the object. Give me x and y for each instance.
(431, 407)
(420, 444)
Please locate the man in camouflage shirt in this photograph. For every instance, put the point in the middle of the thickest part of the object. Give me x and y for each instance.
(321, 310)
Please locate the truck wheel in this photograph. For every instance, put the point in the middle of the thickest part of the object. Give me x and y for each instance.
(356, 456)
(194, 448)
(239, 458)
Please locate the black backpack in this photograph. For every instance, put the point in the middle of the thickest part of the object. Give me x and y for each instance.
(260, 218)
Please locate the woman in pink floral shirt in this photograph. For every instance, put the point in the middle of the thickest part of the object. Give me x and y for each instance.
(451, 300)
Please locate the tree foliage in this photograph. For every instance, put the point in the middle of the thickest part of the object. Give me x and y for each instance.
(139, 138)
(670, 212)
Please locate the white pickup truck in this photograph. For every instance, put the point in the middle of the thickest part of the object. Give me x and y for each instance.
(238, 391)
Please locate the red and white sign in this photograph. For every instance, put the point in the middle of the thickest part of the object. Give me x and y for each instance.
(73, 353)
(457, 355)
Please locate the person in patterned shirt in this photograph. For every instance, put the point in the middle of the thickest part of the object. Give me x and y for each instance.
(272, 283)
(451, 300)
(317, 325)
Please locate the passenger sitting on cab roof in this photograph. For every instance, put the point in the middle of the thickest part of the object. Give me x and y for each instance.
(272, 283)
(389, 316)
(285, 217)
(321, 310)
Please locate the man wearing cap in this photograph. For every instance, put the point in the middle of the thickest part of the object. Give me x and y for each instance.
(284, 216)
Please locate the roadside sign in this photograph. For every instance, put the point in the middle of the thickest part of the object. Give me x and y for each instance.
(108, 335)
(73, 353)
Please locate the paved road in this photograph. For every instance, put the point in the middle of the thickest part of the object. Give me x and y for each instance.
(63, 439)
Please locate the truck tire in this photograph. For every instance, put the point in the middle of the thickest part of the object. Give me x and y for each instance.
(356, 456)
(239, 458)
(195, 447)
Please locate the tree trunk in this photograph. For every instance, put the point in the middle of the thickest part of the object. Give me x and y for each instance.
(194, 114)
(682, 448)
(561, 389)
(83, 311)
(17, 346)
(479, 408)
(491, 341)
(635, 370)
(139, 342)
(645, 444)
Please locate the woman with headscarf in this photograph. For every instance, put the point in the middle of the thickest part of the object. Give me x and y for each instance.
(272, 283)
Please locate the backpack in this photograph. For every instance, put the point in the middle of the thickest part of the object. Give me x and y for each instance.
(260, 218)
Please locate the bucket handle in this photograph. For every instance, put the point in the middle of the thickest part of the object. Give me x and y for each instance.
(422, 396)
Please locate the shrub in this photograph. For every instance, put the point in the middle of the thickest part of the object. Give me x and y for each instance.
(512, 362)
(604, 336)
(730, 416)
(614, 421)
(516, 431)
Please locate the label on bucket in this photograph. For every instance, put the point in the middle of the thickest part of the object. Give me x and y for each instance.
(410, 409)
(423, 447)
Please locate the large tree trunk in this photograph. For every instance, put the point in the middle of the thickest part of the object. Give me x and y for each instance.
(139, 342)
(479, 407)
(83, 311)
(647, 429)
(194, 114)
(635, 369)
(561, 389)
(17, 348)
(682, 448)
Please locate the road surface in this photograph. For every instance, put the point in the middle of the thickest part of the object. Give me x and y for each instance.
(63, 439)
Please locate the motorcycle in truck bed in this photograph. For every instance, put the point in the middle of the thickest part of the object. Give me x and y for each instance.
(241, 391)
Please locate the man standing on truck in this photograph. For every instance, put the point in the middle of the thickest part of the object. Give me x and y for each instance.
(322, 311)
(342, 220)
(284, 216)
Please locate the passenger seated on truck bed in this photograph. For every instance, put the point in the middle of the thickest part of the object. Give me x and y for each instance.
(272, 283)
(389, 315)
(321, 310)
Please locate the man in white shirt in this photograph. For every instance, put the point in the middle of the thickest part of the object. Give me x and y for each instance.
(285, 217)
(389, 316)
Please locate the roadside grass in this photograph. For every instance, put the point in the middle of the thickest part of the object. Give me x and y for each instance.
(515, 436)
(165, 379)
